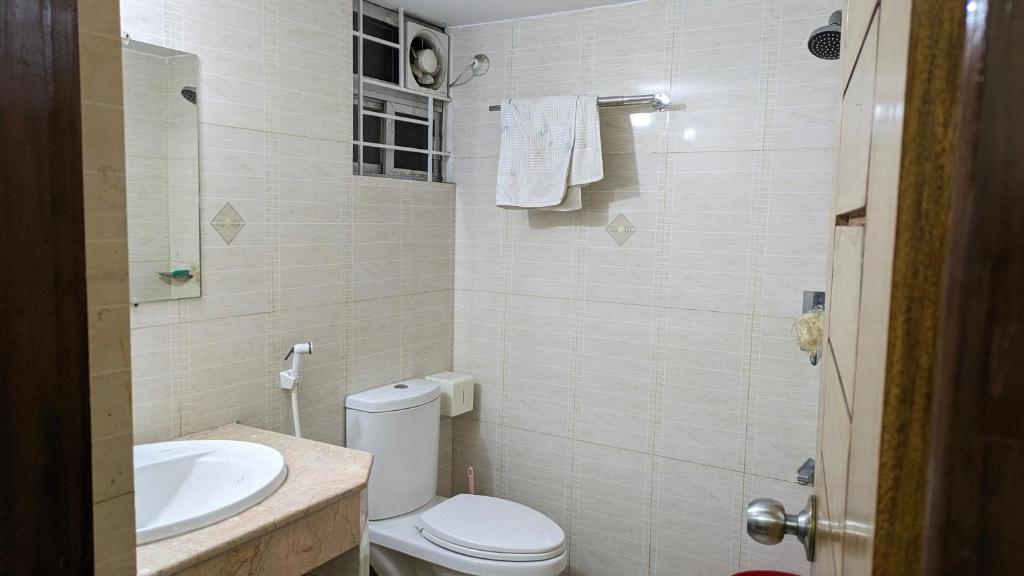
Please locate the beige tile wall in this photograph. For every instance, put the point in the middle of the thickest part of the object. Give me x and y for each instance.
(106, 248)
(641, 394)
(362, 267)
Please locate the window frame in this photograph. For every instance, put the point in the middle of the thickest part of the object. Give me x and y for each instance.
(387, 101)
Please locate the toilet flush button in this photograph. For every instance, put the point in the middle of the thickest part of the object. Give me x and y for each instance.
(401, 386)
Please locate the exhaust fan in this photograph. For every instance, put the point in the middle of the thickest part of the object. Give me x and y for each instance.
(426, 59)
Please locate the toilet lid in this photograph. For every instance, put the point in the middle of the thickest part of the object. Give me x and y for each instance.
(488, 527)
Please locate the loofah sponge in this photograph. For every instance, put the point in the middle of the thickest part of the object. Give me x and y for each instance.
(807, 331)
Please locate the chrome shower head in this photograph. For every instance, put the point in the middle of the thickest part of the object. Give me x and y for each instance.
(189, 93)
(478, 66)
(824, 41)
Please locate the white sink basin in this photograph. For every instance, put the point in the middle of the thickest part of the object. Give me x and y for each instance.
(184, 485)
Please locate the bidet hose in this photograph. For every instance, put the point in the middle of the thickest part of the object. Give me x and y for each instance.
(295, 411)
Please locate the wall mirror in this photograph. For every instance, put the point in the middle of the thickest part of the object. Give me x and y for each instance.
(161, 134)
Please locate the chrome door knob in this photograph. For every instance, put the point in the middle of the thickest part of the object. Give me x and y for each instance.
(768, 523)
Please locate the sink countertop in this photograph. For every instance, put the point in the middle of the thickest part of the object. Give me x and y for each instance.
(318, 475)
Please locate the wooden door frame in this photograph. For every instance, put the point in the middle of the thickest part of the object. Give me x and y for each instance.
(975, 515)
(45, 434)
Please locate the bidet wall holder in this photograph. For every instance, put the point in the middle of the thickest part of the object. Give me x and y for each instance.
(290, 379)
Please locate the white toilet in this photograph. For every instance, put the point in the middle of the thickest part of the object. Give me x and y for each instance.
(414, 532)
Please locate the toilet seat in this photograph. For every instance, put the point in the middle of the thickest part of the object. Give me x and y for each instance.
(492, 528)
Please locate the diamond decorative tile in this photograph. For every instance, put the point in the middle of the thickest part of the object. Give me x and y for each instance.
(620, 229)
(228, 223)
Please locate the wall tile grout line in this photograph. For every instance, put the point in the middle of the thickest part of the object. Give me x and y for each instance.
(274, 406)
(767, 88)
(507, 256)
(643, 453)
(661, 296)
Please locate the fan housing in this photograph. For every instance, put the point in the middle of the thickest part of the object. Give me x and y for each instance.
(426, 59)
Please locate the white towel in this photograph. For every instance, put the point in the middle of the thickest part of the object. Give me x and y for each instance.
(550, 147)
(586, 165)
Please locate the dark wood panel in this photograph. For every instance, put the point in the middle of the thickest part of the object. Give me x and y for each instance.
(925, 182)
(975, 522)
(45, 460)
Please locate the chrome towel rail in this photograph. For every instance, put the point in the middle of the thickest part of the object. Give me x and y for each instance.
(657, 101)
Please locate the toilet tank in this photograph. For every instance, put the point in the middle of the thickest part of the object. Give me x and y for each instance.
(399, 424)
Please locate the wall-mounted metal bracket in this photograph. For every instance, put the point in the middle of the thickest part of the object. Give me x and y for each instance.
(813, 300)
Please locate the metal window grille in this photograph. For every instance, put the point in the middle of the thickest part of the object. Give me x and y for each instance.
(389, 119)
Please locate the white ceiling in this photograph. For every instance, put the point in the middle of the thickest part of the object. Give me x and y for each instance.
(463, 12)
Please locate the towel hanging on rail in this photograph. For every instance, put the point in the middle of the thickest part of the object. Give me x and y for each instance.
(550, 147)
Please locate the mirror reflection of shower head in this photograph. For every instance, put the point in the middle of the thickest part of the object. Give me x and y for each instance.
(189, 93)
(478, 66)
(824, 41)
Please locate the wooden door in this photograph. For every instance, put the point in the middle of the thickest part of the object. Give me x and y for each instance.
(900, 73)
(840, 359)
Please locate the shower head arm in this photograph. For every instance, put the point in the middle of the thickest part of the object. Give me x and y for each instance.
(479, 65)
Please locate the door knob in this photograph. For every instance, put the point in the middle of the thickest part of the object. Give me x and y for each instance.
(768, 523)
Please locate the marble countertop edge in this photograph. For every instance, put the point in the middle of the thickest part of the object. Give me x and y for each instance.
(319, 475)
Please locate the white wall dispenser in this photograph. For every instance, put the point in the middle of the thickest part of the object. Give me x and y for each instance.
(456, 392)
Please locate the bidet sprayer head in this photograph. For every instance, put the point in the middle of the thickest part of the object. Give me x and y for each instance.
(300, 348)
(290, 378)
